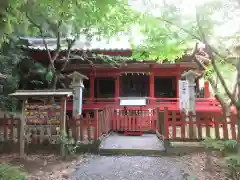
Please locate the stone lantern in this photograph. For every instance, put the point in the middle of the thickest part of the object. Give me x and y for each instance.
(78, 86)
(191, 76)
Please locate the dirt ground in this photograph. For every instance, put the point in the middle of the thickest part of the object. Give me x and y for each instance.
(196, 163)
(51, 167)
(45, 166)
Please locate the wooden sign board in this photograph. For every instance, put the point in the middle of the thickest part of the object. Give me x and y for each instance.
(183, 95)
(38, 114)
(77, 101)
(133, 102)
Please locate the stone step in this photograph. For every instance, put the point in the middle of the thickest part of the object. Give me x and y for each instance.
(131, 152)
(147, 144)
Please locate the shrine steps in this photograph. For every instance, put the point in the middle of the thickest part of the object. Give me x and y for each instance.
(145, 145)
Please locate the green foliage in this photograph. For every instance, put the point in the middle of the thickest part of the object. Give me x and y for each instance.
(73, 17)
(69, 145)
(232, 160)
(233, 164)
(11, 173)
(220, 145)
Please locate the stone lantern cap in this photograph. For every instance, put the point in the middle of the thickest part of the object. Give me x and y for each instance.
(78, 75)
(77, 79)
(190, 73)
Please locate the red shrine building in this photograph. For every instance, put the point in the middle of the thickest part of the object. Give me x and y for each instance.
(107, 83)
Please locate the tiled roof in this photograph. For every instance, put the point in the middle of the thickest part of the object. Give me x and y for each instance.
(113, 44)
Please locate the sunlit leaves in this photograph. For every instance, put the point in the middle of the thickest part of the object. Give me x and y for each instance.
(104, 17)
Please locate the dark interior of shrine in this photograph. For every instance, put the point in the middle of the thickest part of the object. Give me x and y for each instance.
(165, 87)
(133, 85)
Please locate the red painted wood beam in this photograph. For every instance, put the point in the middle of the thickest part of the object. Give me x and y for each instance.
(178, 77)
(206, 89)
(151, 86)
(117, 89)
(92, 78)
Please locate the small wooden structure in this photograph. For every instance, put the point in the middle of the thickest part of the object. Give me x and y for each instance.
(41, 120)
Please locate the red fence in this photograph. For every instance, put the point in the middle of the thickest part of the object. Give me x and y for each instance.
(91, 125)
(134, 120)
(178, 126)
(9, 128)
(171, 123)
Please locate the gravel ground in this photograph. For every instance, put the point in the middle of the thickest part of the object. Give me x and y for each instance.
(130, 168)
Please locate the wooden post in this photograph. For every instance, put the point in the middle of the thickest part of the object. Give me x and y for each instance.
(177, 85)
(178, 77)
(151, 87)
(91, 88)
(166, 128)
(63, 124)
(22, 131)
(117, 88)
(206, 90)
(160, 121)
(96, 128)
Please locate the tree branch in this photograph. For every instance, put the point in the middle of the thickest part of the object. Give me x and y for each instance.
(70, 44)
(43, 38)
(181, 28)
(213, 61)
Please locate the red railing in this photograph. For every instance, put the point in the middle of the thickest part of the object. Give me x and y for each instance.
(91, 125)
(204, 124)
(9, 128)
(132, 120)
(200, 101)
(202, 104)
(173, 125)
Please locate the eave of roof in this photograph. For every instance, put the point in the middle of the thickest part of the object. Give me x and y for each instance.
(22, 94)
(113, 44)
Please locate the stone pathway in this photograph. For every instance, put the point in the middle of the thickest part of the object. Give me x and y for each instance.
(130, 168)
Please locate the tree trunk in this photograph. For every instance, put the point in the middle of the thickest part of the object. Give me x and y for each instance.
(54, 81)
(53, 85)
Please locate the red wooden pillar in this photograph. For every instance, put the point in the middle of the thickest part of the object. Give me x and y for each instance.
(178, 77)
(151, 87)
(206, 90)
(177, 85)
(91, 88)
(117, 87)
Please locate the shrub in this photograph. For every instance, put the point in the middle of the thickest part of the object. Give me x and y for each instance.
(233, 164)
(11, 173)
(227, 146)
